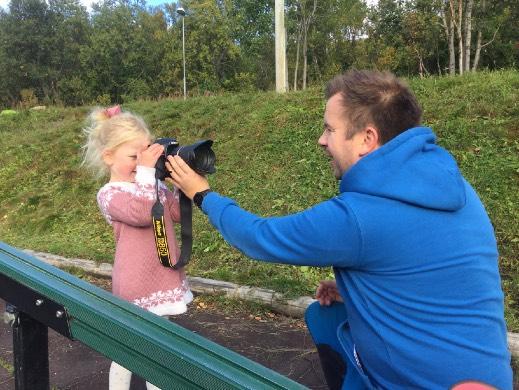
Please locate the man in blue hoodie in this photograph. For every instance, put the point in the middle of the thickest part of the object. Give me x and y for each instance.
(417, 300)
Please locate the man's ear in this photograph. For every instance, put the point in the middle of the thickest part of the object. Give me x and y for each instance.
(370, 141)
(107, 157)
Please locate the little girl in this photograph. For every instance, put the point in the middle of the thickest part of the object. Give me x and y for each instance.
(118, 145)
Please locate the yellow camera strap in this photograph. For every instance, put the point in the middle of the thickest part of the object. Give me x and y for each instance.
(159, 230)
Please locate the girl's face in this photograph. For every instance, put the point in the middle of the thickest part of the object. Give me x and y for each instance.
(122, 161)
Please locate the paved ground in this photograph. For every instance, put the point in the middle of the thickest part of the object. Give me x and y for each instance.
(280, 343)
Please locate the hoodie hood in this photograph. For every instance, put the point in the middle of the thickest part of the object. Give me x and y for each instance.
(410, 168)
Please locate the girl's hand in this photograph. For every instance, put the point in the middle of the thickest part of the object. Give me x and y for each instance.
(327, 293)
(184, 178)
(148, 157)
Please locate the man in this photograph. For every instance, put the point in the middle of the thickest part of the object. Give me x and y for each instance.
(417, 301)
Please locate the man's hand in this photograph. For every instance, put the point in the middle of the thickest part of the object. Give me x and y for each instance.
(327, 293)
(184, 178)
(148, 158)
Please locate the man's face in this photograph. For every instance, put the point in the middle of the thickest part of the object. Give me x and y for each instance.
(344, 151)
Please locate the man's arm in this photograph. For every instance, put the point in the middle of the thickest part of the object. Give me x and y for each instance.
(324, 235)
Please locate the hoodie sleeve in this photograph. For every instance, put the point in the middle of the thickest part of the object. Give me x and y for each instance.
(324, 235)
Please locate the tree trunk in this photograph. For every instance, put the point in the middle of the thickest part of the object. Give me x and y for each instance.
(306, 26)
(421, 66)
(305, 57)
(298, 43)
(478, 51)
(460, 36)
(481, 46)
(468, 33)
(316, 67)
(448, 25)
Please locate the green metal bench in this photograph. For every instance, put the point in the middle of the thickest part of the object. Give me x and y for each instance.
(158, 350)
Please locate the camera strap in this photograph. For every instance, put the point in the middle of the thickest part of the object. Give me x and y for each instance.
(186, 231)
(159, 229)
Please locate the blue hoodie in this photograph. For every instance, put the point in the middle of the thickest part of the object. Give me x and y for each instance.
(415, 259)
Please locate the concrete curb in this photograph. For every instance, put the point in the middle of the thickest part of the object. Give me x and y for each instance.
(291, 307)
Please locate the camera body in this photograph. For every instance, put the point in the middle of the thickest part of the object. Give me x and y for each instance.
(199, 156)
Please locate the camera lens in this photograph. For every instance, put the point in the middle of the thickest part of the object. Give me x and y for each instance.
(199, 156)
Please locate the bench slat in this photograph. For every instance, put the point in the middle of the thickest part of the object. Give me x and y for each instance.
(160, 351)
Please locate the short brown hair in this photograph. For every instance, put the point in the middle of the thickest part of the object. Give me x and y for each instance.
(377, 98)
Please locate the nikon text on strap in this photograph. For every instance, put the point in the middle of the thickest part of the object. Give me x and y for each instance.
(159, 229)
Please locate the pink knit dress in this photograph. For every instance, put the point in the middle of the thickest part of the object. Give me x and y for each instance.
(137, 275)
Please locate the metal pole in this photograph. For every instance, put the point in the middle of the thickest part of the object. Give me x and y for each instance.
(279, 18)
(184, 56)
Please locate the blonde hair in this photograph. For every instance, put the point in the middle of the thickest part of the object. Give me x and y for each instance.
(106, 133)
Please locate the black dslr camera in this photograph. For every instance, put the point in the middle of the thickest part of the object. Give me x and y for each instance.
(199, 156)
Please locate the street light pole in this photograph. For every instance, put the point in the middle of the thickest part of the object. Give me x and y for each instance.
(280, 46)
(182, 12)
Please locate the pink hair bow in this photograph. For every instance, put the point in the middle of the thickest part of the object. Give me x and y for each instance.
(112, 111)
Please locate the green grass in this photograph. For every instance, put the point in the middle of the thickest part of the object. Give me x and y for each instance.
(7, 366)
(268, 160)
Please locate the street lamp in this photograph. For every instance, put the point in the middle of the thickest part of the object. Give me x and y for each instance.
(182, 12)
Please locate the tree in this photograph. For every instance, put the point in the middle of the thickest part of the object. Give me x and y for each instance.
(422, 36)
(211, 51)
(386, 31)
(305, 15)
(70, 33)
(252, 28)
(331, 42)
(496, 33)
(448, 17)
(27, 46)
(123, 57)
(40, 47)
(463, 15)
(55, 52)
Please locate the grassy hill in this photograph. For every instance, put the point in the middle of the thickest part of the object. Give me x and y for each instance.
(268, 160)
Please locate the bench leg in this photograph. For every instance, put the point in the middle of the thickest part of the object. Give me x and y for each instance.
(31, 353)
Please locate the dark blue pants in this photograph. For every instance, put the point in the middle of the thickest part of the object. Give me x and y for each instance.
(323, 322)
